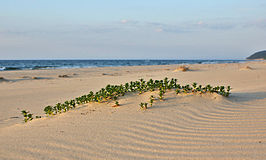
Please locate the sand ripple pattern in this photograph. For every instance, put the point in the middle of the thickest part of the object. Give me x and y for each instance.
(179, 128)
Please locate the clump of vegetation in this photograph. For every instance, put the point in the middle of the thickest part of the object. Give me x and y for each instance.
(151, 100)
(143, 106)
(49, 110)
(116, 102)
(27, 116)
(112, 92)
(161, 95)
(177, 91)
(228, 91)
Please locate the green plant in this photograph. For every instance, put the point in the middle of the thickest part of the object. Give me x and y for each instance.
(199, 89)
(117, 103)
(59, 107)
(161, 93)
(228, 91)
(143, 106)
(151, 100)
(194, 85)
(177, 91)
(54, 110)
(27, 116)
(165, 82)
(48, 110)
(208, 88)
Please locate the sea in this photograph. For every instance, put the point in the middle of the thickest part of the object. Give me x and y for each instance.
(8, 65)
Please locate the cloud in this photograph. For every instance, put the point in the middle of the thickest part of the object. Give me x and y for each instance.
(66, 30)
(127, 22)
(259, 23)
(124, 21)
(158, 30)
(219, 26)
(181, 27)
(98, 28)
(200, 23)
(133, 26)
(155, 26)
(228, 24)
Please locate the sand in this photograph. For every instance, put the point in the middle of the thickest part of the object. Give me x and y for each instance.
(181, 127)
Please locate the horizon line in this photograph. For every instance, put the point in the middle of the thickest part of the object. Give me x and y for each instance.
(114, 59)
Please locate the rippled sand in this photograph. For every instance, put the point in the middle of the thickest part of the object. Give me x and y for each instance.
(181, 127)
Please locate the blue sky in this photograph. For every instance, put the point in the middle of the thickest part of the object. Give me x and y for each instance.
(139, 29)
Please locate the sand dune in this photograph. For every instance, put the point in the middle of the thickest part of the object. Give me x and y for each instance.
(181, 127)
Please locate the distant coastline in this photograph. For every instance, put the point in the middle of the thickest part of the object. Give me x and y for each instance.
(9, 65)
(261, 55)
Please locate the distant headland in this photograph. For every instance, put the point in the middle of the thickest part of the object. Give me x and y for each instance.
(258, 55)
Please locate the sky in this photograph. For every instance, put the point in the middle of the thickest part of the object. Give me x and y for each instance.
(131, 29)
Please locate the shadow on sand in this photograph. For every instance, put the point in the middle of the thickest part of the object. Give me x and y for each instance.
(249, 96)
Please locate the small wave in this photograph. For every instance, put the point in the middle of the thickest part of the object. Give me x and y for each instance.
(10, 68)
(43, 67)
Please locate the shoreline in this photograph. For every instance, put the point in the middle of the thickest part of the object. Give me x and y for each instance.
(122, 63)
(114, 67)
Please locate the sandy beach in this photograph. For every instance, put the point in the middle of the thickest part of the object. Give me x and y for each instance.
(206, 126)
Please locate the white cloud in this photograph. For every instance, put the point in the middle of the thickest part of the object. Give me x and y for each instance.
(158, 30)
(124, 21)
(200, 23)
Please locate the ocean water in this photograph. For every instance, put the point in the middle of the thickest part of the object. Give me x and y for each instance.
(6, 65)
